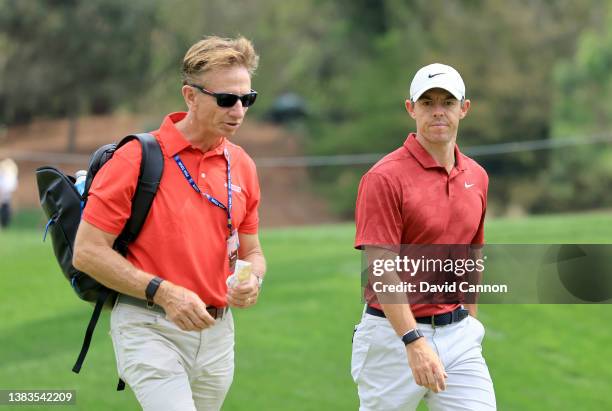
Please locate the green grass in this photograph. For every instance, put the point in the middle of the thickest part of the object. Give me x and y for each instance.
(293, 349)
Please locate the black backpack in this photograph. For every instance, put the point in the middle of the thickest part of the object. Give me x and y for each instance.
(63, 206)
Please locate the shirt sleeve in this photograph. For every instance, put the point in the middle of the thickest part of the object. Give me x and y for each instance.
(250, 223)
(378, 213)
(109, 202)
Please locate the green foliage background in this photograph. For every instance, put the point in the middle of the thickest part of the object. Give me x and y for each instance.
(535, 70)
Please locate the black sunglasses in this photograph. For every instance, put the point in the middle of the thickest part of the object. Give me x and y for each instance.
(229, 99)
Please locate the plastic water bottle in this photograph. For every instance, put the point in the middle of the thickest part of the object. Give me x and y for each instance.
(80, 176)
(241, 274)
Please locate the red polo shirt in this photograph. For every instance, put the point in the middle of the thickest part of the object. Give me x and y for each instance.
(408, 198)
(184, 237)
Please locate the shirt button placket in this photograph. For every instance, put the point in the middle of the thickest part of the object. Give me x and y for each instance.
(202, 176)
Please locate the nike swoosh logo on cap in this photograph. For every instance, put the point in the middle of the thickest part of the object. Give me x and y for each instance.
(433, 75)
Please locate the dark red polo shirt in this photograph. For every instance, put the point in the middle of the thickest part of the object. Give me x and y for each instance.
(184, 237)
(408, 198)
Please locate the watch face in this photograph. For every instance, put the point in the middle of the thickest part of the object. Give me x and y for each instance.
(411, 336)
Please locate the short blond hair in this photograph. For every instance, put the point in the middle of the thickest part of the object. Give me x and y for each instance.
(216, 52)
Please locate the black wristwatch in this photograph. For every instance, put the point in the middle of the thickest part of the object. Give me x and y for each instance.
(152, 289)
(412, 336)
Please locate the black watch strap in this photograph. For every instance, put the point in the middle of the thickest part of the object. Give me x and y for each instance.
(412, 336)
(152, 289)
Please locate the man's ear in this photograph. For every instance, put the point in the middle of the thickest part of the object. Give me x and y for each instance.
(410, 108)
(465, 108)
(189, 96)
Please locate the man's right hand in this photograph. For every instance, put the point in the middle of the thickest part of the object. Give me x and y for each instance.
(426, 366)
(183, 307)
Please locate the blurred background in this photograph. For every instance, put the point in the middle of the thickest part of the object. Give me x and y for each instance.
(332, 82)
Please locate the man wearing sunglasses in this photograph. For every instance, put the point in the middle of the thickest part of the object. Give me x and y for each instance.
(171, 326)
(421, 199)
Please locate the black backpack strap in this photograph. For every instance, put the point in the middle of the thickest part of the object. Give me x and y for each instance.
(102, 297)
(151, 169)
(104, 293)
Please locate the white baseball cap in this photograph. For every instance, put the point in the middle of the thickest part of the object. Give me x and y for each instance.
(437, 75)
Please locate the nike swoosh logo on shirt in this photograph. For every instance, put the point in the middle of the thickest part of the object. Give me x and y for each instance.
(466, 185)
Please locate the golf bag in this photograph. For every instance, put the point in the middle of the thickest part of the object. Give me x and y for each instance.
(63, 206)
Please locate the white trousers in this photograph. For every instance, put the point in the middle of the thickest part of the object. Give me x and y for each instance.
(384, 379)
(168, 368)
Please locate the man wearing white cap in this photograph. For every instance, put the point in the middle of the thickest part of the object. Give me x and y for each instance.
(426, 192)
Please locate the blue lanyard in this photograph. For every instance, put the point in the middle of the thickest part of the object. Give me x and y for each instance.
(210, 198)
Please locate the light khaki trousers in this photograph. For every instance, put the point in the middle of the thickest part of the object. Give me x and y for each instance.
(168, 368)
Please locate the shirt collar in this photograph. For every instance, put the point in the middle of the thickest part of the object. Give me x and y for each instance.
(425, 159)
(174, 142)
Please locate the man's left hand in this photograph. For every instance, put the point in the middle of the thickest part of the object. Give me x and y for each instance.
(244, 294)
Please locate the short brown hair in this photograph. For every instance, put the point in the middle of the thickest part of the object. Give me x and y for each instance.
(213, 52)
